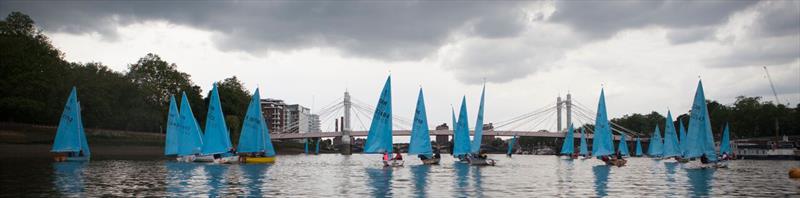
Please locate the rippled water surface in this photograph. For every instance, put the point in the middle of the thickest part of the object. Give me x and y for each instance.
(362, 175)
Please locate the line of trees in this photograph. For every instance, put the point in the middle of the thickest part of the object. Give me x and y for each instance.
(35, 81)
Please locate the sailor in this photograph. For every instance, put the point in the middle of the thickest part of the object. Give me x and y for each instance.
(437, 155)
(398, 156)
(385, 156)
(704, 159)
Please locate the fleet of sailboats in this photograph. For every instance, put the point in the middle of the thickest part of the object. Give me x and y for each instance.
(185, 140)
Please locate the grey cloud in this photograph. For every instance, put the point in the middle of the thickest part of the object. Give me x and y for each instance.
(778, 18)
(690, 35)
(603, 19)
(395, 30)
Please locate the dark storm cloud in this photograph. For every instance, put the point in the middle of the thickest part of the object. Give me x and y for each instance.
(396, 30)
(603, 19)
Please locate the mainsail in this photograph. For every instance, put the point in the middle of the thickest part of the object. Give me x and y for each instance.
(216, 138)
(584, 149)
(725, 143)
(623, 146)
(478, 136)
(701, 142)
(191, 140)
(420, 135)
(173, 129)
(568, 147)
(379, 139)
(70, 136)
(671, 147)
(461, 137)
(254, 136)
(683, 140)
(638, 147)
(511, 143)
(656, 147)
(602, 144)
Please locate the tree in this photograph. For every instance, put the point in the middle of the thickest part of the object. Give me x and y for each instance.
(159, 80)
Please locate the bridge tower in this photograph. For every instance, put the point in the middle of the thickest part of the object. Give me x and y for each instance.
(346, 138)
(568, 104)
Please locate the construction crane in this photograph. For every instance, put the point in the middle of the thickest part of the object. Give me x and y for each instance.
(772, 85)
(777, 102)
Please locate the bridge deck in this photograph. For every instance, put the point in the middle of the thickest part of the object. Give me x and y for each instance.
(436, 132)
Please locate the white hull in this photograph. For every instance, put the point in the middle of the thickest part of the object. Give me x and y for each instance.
(393, 163)
(227, 160)
(194, 158)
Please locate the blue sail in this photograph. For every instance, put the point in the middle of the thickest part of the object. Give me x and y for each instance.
(683, 140)
(725, 143)
(254, 136)
(173, 129)
(82, 133)
(478, 136)
(379, 139)
(623, 146)
(602, 143)
(584, 149)
(511, 143)
(656, 145)
(318, 142)
(305, 148)
(216, 138)
(568, 147)
(455, 130)
(461, 136)
(67, 135)
(699, 132)
(191, 140)
(671, 147)
(420, 136)
(638, 147)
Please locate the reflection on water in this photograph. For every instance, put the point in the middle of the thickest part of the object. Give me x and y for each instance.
(380, 181)
(69, 177)
(420, 173)
(601, 179)
(364, 176)
(700, 179)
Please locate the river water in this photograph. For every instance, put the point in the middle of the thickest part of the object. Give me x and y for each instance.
(363, 176)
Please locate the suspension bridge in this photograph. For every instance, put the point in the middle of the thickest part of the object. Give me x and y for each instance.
(545, 121)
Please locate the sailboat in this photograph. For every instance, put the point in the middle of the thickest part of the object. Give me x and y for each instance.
(602, 143)
(173, 129)
(670, 147)
(725, 144)
(70, 142)
(511, 143)
(477, 157)
(379, 139)
(254, 140)
(568, 147)
(638, 147)
(461, 143)
(683, 141)
(420, 143)
(190, 141)
(655, 149)
(217, 141)
(623, 146)
(584, 148)
(699, 137)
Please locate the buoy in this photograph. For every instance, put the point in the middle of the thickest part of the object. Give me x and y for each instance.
(794, 172)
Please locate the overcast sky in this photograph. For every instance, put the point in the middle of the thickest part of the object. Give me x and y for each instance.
(648, 55)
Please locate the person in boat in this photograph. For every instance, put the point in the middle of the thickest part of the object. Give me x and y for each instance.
(725, 156)
(422, 157)
(618, 155)
(704, 159)
(605, 158)
(482, 154)
(398, 156)
(385, 156)
(437, 155)
(217, 156)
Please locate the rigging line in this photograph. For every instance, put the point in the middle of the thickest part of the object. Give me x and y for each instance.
(526, 114)
(525, 118)
(542, 120)
(334, 103)
(527, 121)
(614, 126)
(327, 110)
(533, 119)
(332, 115)
(359, 121)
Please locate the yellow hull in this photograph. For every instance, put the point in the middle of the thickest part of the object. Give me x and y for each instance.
(259, 159)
